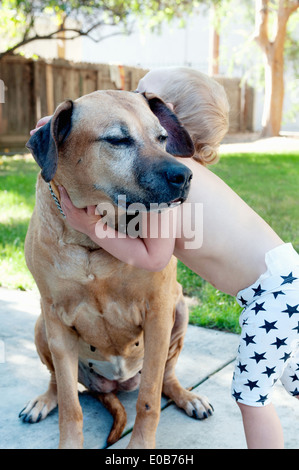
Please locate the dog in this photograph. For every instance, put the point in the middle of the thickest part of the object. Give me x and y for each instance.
(104, 323)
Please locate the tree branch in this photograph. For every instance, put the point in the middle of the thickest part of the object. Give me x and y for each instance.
(292, 6)
(261, 35)
(55, 35)
(285, 10)
(30, 24)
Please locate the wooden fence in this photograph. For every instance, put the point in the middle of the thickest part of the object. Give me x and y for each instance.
(33, 88)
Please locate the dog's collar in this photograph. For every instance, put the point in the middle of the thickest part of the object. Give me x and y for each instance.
(56, 200)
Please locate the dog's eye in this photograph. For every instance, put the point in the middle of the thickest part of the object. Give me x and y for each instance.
(119, 141)
(162, 138)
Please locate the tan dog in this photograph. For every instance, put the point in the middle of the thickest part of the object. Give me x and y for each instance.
(108, 318)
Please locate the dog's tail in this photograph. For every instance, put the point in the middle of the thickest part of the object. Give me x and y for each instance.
(118, 412)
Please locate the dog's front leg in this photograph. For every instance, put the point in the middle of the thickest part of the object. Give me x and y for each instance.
(63, 344)
(157, 331)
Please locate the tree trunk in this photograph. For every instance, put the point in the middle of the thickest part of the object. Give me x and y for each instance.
(214, 41)
(274, 61)
(61, 43)
(274, 92)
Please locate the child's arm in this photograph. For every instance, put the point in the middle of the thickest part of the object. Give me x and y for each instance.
(152, 254)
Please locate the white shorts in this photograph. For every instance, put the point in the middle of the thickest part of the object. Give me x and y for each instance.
(269, 345)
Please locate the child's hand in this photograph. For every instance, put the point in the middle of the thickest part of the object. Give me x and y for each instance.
(83, 220)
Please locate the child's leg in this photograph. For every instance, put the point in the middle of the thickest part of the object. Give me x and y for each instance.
(262, 427)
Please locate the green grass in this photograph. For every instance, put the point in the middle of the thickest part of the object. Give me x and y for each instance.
(17, 198)
(269, 183)
(214, 309)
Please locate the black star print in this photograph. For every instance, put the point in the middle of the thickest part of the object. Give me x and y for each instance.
(243, 301)
(258, 291)
(295, 392)
(277, 293)
(249, 339)
(285, 357)
(279, 342)
(297, 367)
(294, 377)
(262, 399)
(258, 357)
(291, 310)
(296, 328)
(269, 371)
(288, 279)
(237, 395)
(258, 307)
(244, 322)
(252, 384)
(269, 326)
(242, 367)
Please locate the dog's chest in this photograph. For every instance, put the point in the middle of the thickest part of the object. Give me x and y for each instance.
(111, 366)
(117, 368)
(110, 333)
(114, 369)
(88, 266)
(79, 264)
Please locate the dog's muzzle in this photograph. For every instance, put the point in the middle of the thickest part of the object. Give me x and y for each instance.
(179, 179)
(165, 182)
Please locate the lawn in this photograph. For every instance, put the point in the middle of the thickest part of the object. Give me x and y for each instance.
(269, 183)
(17, 198)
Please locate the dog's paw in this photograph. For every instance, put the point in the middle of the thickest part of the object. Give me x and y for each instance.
(38, 409)
(196, 406)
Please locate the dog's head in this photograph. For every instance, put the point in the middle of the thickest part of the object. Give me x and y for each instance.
(112, 143)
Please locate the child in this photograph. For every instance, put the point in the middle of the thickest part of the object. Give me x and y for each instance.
(239, 250)
(199, 101)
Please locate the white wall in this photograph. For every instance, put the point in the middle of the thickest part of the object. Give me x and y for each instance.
(188, 46)
(48, 49)
(174, 46)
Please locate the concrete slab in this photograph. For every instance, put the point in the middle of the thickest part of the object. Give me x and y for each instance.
(205, 363)
(223, 430)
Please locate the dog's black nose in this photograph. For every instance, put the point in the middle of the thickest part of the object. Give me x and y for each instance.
(178, 175)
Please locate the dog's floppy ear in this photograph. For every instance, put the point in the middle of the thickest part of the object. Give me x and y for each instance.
(45, 142)
(179, 142)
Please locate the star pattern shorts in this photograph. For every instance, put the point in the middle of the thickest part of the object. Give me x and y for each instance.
(269, 345)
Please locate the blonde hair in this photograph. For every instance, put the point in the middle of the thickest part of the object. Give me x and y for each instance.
(201, 104)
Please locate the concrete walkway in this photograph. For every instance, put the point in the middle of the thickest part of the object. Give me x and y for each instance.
(206, 364)
(252, 142)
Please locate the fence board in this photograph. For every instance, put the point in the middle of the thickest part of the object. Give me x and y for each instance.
(35, 88)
